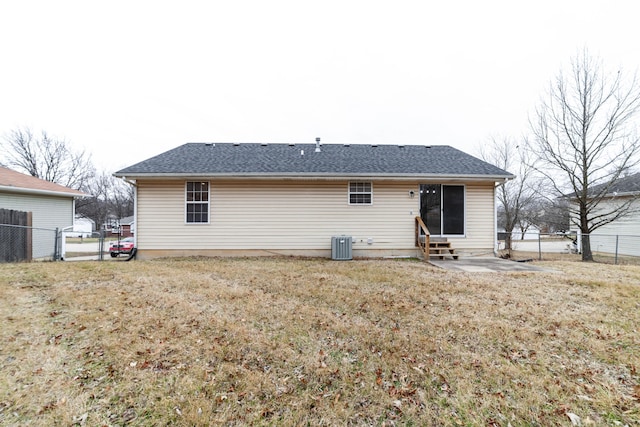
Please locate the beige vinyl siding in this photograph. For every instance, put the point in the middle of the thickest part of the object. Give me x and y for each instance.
(295, 216)
(480, 226)
(275, 215)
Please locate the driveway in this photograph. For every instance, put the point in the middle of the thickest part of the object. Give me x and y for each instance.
(84, 247)
(87, 251)
(485, 265)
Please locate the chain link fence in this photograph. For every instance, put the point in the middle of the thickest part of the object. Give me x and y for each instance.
(20, 243)
(610, 248)
(92, 248)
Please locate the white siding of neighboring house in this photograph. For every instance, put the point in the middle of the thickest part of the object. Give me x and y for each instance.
(48, 212)
(625, 230)
(297, 217)
(82, 227)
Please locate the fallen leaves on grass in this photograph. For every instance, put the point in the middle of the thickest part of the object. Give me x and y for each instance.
(297, 341)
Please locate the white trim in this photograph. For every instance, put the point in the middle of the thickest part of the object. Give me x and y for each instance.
(22, 190)
(327, 176)
(208, 203)
(349, 193)
(496, 243)
(135, 215)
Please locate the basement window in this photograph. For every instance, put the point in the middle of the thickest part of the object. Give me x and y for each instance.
(360, 193)
(197, 202)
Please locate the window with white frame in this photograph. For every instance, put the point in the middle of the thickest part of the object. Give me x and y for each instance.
(360, 193)
(197, 202)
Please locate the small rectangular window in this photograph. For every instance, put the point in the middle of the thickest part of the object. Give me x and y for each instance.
(197, 202)
(360, 193)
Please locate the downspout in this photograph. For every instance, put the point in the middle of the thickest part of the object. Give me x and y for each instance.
(63, 240)
(135, 208)
(63, 236)
(495, 216)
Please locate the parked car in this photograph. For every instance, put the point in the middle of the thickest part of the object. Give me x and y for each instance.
(122, 246)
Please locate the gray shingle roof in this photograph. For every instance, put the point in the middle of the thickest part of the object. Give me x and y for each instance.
(252, 159)
(629, 184)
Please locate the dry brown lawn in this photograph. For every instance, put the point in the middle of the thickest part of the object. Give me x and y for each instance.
(317, 342)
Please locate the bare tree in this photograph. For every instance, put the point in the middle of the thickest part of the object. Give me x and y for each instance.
(585, 140)
(121, 198)
(48, 158)
(516, 195)
(110, 198)
(548, 215)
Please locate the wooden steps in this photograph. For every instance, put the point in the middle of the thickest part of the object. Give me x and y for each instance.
(432, 246)
(441, 249)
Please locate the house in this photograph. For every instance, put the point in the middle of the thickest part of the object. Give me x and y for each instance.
(128, 226)
(293, 199)
(52, 206)
(123, 227)
(621, 236)
(82, 227)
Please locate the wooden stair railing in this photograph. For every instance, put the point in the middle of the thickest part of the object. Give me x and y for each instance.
(423, 245)
(436, 247)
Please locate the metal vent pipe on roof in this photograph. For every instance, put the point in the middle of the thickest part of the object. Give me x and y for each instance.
(317, 144)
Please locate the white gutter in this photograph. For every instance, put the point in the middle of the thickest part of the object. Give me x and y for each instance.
(616, 194)
(325, 177)
(63, 241)
(22, 190)
(496, 245)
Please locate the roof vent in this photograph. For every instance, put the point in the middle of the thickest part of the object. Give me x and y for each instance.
(318, 145)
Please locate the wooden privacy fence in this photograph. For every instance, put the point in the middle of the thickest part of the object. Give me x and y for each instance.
(15, 236)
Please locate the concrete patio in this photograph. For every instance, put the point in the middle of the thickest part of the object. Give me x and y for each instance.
(485, 265)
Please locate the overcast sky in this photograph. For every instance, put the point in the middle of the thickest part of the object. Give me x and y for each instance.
(130, 79)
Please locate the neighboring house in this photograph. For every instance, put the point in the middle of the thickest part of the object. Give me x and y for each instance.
(625, 230)
(532, 232)
(82, 227)
(127, 227)
(291, 199)
(52, 206)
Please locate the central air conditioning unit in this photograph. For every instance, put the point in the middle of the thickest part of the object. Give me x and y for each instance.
(341, 248)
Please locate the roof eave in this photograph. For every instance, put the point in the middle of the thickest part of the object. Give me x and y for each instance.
(622, 194)
(318, 176)
(34, 191)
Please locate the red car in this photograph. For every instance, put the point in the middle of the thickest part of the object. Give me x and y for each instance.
(123, 246)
